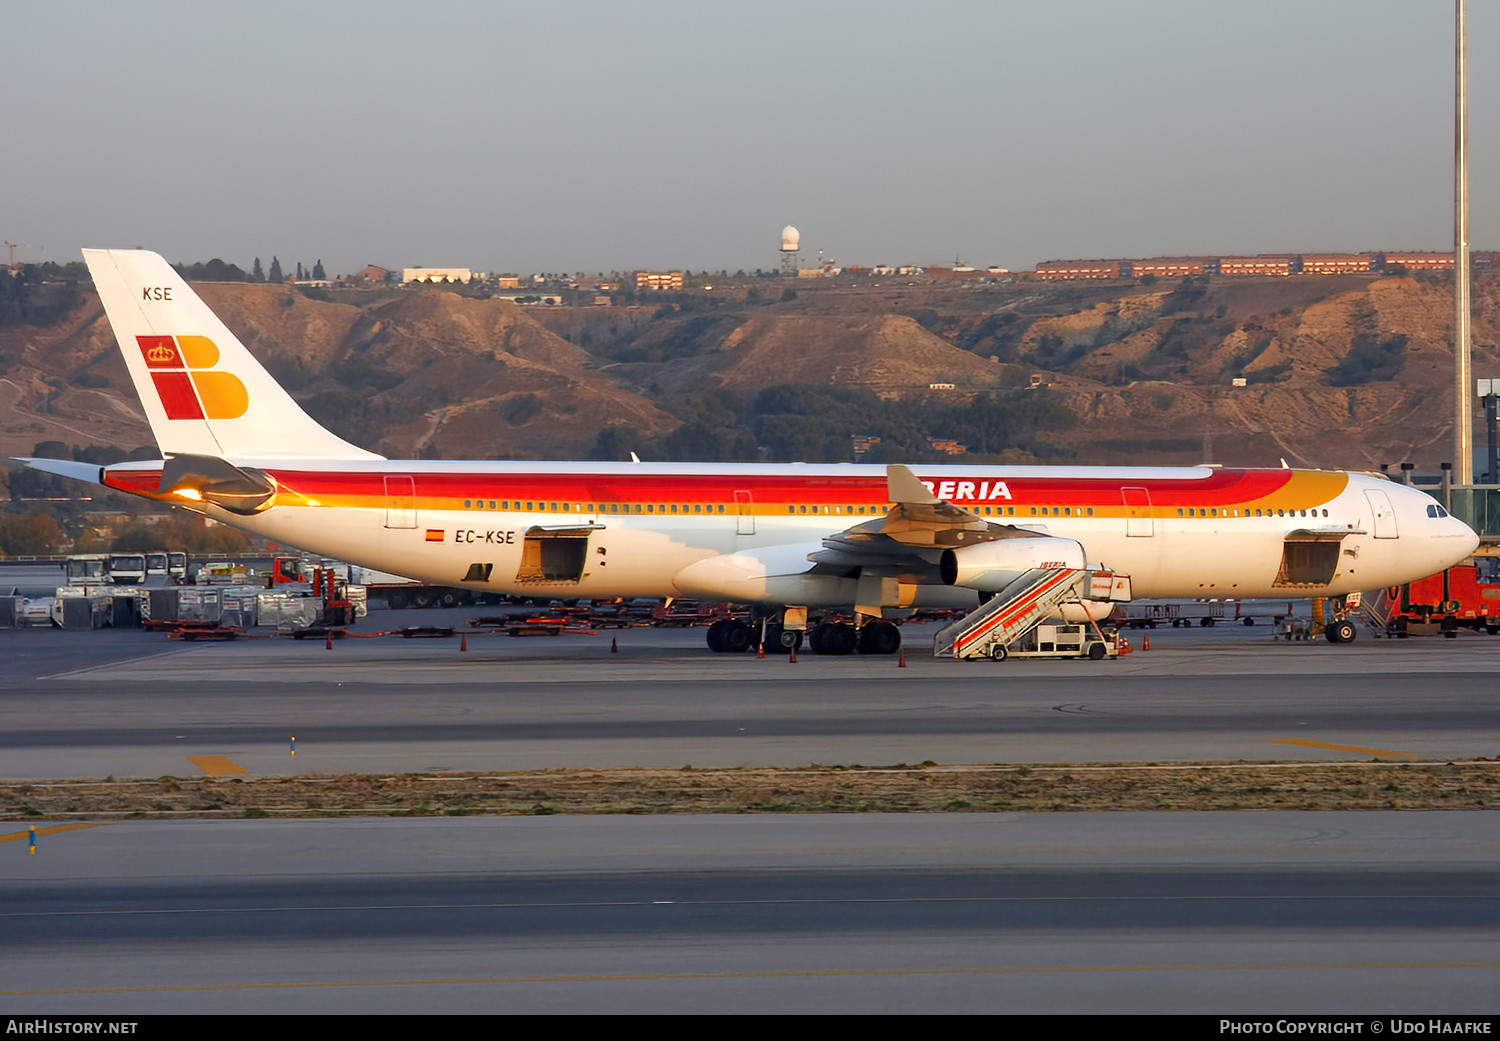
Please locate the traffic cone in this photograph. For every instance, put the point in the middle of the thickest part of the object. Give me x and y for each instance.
(901, 661)
(792, 657)
(614, 646)
(760, 650)
(328, 639)
(1146, 642)
(463, 642)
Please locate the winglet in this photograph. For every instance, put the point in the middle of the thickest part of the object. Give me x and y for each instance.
(901, 485)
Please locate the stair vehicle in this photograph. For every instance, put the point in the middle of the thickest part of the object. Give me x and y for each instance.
(1024, 618)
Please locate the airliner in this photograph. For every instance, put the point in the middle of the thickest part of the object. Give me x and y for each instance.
(786, 539)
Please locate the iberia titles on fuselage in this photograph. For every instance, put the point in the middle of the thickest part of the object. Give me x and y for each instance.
(237, 448)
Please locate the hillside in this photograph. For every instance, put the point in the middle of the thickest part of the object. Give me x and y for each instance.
(1350, 371)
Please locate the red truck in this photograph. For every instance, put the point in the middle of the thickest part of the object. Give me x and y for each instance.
(1446, 602)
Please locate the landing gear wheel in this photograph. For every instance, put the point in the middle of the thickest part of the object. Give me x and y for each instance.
(835, 639)
(815, 638)
(879, 638)
(738, 637)
(423, 598)
(395, 601)
(1340, 632)
(716, 641)
(782, 641)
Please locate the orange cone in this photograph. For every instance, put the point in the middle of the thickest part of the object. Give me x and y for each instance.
(793, 655)
(328, 640)
(760, 651)
(1146, 642)
(901, 661)
(463, 643)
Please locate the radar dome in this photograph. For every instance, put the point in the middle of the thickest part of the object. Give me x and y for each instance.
(790, 238)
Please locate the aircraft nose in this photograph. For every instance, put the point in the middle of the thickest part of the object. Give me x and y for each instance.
(1467, 536)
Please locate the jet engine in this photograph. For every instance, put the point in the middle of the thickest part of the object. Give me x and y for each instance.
(769, 574)
(991, 566)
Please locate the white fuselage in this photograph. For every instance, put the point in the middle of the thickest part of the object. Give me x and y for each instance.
(1177, 532)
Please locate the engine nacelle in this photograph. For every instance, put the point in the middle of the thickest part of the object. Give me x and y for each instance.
(769, 574)
(991, 566)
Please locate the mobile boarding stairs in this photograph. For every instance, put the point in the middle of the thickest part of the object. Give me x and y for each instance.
(1006, 623)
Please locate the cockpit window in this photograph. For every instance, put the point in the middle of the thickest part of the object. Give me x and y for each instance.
(1436, 511)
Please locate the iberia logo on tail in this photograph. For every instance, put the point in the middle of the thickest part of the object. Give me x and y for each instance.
(182, 368)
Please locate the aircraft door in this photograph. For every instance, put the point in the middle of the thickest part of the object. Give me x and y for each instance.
(400, 502)
(1385, 516)
(744, 517)
(1138, 520)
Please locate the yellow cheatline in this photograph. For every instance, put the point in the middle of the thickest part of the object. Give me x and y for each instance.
(603, 977)
(1356, 749)
(55, 829)
(217, 765)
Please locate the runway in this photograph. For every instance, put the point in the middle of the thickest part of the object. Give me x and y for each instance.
(1218, 913)
(134, 705)
(1355, 913)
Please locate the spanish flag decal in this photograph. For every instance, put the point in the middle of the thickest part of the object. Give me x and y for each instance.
(434, 534)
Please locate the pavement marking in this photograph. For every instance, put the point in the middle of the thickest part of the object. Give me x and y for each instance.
(1357, 749)
(123, 663)
(53, 829)
(217, 765)
(630, 977)
(567, 905)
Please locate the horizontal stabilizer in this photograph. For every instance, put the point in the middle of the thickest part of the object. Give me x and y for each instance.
(92, 473)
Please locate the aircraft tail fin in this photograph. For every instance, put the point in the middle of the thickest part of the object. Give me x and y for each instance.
(203, 391)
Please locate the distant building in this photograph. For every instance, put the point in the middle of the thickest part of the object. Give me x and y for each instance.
(1068, 270)
(658, 281)
(435, 274)
(1260, 265)
(1169, 267)
(1335, 263)
(1421, 260)
(374, 273)
(948, 446)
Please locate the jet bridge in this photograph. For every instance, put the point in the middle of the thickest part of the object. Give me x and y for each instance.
(990, 630)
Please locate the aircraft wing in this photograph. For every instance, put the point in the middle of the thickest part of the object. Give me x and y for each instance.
(921, 540)
(916, 529)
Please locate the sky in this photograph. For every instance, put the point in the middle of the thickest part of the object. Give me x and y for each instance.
(600, 136)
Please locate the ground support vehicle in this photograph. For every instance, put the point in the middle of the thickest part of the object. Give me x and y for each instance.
(1438, 605)
(1009, 621)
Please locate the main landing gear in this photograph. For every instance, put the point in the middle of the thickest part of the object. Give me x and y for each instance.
(731, 636)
